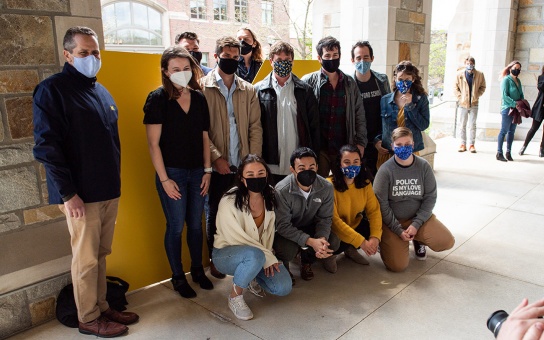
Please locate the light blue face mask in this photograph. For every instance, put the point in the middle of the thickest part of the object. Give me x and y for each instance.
(88, 66)
(362, 66)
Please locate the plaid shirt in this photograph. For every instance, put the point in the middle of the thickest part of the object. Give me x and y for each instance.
(332, 115)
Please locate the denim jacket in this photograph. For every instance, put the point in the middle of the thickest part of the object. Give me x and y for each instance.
(417, 118)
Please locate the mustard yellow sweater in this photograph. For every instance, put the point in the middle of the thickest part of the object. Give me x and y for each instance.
(348, 208)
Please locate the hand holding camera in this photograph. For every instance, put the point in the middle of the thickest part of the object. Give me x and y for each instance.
(524, 323)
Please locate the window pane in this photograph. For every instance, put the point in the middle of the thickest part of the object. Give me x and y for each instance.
(198, 9)
(139, 14)
(124, 37)
(204, 60)
(220, 10)
(122, 13)
(140, 37)
(154, 20)
(108, 17)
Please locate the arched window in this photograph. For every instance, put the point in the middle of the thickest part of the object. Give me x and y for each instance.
(131, 23)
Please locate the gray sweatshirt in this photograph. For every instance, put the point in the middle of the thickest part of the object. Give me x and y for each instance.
(405, 193)
(294, 211)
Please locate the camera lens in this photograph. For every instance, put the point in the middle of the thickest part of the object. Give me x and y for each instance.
(495, 321)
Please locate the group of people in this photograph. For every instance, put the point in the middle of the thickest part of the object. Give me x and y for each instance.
(470, 85)
(260, 155)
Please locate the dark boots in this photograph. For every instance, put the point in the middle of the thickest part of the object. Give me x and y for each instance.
(197, 273)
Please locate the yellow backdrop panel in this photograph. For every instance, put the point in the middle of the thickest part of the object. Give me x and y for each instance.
(138, 246)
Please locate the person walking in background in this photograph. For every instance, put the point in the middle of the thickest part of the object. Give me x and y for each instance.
(77, 141)
(511, 92)
(177, 123)
(235, 127)
(468, 88)
(342, 117)
(373, 86)
(190, 42)
(357, 219)
(407, 106)
(538, 115)
(251, 55)
(245, 234)
(289, 113)
(406, 189)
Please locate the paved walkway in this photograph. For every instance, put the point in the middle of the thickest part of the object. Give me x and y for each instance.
(495, 211)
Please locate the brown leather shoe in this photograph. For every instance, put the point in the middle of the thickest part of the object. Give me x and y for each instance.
(125, 318)
(103, 328)
(216, 273)
(306, 271)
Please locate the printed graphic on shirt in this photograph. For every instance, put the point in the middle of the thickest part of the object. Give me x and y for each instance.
(371, 94)
(407, 187)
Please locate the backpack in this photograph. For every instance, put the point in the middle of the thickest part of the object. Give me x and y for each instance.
(66, 310)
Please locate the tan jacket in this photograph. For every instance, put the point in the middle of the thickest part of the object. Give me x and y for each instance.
(247, 112)
(461, 89)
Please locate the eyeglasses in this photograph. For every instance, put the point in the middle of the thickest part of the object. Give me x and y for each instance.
(403, 67)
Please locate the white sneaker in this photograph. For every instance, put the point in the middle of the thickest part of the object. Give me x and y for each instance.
(239, 307)
(256, 289)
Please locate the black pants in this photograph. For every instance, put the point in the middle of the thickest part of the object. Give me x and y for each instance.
(531, 133)
(363, 229)
(286, 250)
(219, 184)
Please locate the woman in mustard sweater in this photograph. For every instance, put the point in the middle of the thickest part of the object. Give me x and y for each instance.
(353, 199)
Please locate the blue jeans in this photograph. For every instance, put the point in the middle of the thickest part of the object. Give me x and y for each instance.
(508, 129)
(186, 209)
(246, 263)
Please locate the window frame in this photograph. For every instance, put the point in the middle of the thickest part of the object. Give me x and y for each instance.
(200, 10)
(220, 5)
(239, 9)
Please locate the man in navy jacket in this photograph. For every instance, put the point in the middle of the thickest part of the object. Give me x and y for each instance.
(77, 140)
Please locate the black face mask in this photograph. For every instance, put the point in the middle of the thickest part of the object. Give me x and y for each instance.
(196, 55)
(228, 65)
(246, 48)
(515, 72)
(330, 65)
(256, 184)
(306, 177)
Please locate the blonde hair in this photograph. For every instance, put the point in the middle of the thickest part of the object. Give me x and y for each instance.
(401, 132)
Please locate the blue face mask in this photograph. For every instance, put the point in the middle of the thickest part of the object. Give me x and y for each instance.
(351, 171)
(403, 152)
(470, 67)
(362, 66)
(88, 66)
(404, 85)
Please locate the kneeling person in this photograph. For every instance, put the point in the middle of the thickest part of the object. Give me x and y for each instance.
(304, 214)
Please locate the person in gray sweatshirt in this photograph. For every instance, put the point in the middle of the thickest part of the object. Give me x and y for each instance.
(305, 203)
(406, 189)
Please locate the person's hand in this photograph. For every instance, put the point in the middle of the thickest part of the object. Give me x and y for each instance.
(205, 184)
(75, 207)
(406, 98)
(320, 246)
(523, 322)
(171, 188)
(409, 233)
(381, 150)
(269, 271)
(370, 247)
(222, 166)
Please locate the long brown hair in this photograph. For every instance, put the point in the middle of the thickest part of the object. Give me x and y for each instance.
(257, 54)
(179, 52)
(506, 70)
(409, 69)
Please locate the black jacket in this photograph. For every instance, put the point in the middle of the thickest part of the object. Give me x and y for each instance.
(537, 112)
(307, 117)
(76, 136)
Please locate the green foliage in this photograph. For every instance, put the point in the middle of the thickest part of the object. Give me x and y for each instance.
(437, 58)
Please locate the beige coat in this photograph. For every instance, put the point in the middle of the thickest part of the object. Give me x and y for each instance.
(237, 228)
(461, 89)
(247, 112)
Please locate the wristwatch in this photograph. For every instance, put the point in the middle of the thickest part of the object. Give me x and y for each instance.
(208, 170)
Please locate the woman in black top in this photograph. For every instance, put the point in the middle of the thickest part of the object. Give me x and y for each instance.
(538, 116)
(177, 122)
(251, 57)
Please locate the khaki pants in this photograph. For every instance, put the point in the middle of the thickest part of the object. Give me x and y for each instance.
(91, 239)
(394, 251)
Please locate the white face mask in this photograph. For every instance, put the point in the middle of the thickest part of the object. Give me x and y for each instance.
(181, 78)
(88, 66)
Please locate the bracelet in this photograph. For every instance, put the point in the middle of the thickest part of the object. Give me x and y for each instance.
(208, 170)
(166, 180)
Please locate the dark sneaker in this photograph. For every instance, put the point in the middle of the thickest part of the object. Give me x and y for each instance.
(420, 251)
(103, 328)
(306, 271)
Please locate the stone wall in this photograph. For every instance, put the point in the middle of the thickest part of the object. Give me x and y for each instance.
(34, 241)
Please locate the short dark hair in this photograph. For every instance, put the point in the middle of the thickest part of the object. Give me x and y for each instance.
(471, 59)
(327, 43)
(362, 44)
(226, 42)
(281, 47)
(301, 153)
(68, 42)
(361, 180)
(188, 36)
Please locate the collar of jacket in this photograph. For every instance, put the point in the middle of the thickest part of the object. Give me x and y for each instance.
(295, 189)
(323, 77)
(80, 78)
(210, 81)
(267, 81)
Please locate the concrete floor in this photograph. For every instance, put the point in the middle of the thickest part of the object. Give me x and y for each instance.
(495, 212)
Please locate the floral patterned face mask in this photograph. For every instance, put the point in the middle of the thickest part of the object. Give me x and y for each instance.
(351, 171)
(283, 68)
(403, 152)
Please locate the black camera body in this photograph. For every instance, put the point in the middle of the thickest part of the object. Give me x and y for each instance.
(495, 321)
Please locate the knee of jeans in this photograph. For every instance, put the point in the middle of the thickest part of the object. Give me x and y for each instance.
(255, 254)
(285, 287)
